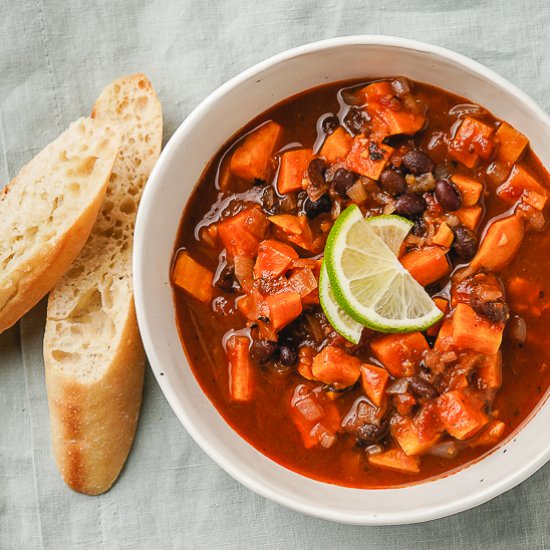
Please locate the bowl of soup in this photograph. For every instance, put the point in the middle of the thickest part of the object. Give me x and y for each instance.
(296, 388)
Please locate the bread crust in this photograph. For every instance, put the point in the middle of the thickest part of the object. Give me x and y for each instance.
(94, 415)
(93, 425)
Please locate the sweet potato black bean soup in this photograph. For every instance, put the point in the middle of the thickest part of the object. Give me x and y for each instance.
(386, 407)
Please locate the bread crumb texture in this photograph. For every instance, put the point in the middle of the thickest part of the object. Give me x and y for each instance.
(47, 198)
(88, 308)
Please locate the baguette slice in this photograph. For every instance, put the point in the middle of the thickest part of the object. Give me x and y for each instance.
(92, 349)
(47, 212)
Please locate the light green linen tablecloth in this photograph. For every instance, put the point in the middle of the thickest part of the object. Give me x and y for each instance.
(55, 56)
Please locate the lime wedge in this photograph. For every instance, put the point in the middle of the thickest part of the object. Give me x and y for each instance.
(391, 229)
(368, 281)
(337, 317)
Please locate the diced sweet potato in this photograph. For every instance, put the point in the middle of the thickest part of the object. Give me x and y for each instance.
(334, 366)
(368, 158)
(292, 169)
(404, 403)
(520, 184)
(302, 281)
(470, 217)
(274, 258)
(288, 223)
(427, 264)
(460, 414)
(489, 372)
(500, 244)
(241, 234)
(374, 381)
(444, 236)
(316, 419)
(336, 146)
(192, 277)
(253, 305)
(443, 305)
(396, 459)
(444, 339)
(469, 188)
(471, 141)
(251, 159)
(400, 353)
(283, 308)
(490, 436)
(511, 145)
(471, 331)
(413, 439)
(240, 368)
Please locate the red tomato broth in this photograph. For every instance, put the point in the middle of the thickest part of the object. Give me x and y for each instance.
(265, 421)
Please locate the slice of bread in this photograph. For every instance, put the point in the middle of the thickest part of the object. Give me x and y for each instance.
(48, 210)
(92, 350)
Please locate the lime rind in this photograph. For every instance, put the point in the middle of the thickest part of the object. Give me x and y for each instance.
(337, 317)
(369, 283)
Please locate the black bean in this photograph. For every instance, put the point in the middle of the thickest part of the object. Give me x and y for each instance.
(497, 312)
(356, 120)
(225, 278)
(316, 173)
(410, 205)
(313, 208)
(421, 387)
(465, 242)
(343, 179)
(447, 195)
(288, 356)
(393, 182)
(417, 162)
(262, 350)
(330, 124)
(367, 434)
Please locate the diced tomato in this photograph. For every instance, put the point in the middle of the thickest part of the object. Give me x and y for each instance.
(417, 436)
(461, 414)
(336, 145)
(368, 158)
(316, 419)
(334, 366)
(274, 258)
(471, 141)
(251, 159)
(192, 277)
(404, 403)
(241, 234)
(240, 368)
(388, 115)
(400, 353)
(283, 308)
(292, 169)
(521, 185)
(374, 381)
(427, 264)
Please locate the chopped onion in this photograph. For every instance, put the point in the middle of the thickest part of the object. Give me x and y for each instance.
(374, 450)
(401, 86)
(244, 267)
(447, 449)
(309, 409)
(467, 109)
(357, 193)
(401, 385)
(327, 440)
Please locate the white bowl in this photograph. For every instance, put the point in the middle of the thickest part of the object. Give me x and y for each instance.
(184, 158)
